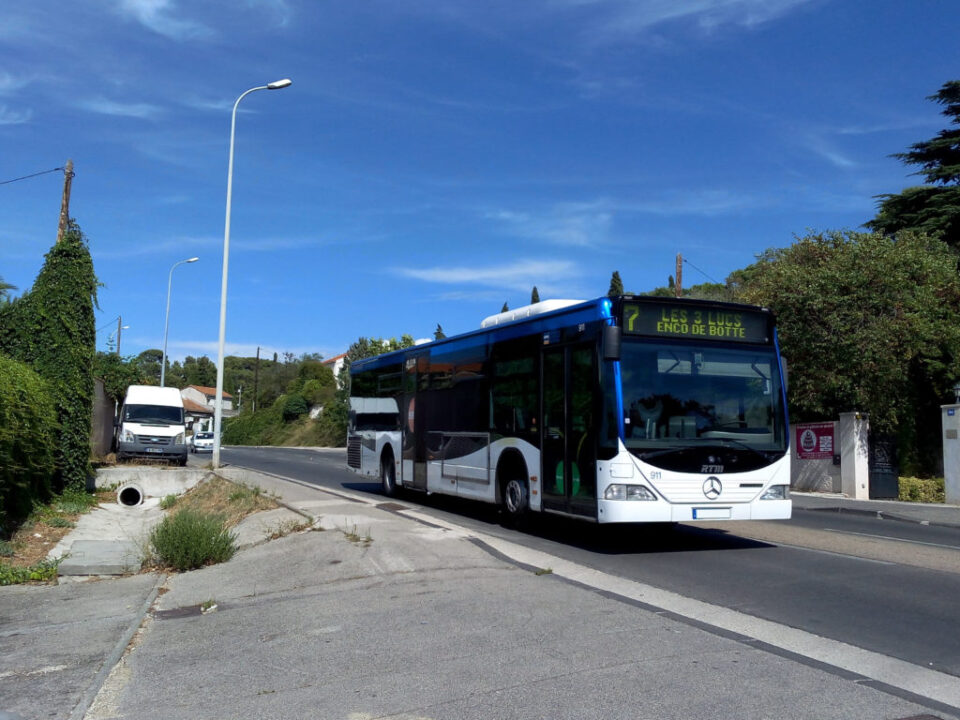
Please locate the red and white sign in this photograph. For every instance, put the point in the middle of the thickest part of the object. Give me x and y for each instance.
(815, 441)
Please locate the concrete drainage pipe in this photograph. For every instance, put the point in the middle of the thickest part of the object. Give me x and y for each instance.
(130, 495)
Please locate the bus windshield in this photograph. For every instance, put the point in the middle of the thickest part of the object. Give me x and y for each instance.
(681, 396)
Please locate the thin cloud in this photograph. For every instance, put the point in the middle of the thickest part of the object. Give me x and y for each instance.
(575, 224)
(14, 117)
(10, 84)
(102, 106)
(517, 276)
(156, 15)
(623, 20)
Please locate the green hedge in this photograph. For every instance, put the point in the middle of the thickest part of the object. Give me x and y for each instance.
(28, 431)
(51, 329)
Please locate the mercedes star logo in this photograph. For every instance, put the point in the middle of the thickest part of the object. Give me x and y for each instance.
(712, 487)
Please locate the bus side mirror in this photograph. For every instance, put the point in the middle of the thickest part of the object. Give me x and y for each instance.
(611, 342)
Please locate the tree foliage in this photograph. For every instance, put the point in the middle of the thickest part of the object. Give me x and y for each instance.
(616, 285)
(51, 329)
(534, 296)
(28, 431)
(933, 208)
(117, 374)
(868, 323)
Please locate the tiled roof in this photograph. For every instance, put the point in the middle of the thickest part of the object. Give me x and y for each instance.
(331, 361)
(210, 391)
(196, 408)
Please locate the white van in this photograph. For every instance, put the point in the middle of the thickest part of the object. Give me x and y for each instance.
(151, 424)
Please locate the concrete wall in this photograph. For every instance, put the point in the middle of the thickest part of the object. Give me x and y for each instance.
(851, 477)
(101, 428)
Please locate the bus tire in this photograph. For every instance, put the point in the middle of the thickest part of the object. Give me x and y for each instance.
(516, 499)
(388, 476)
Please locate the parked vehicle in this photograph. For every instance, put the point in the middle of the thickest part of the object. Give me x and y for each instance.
(151, 424)
(202, 442)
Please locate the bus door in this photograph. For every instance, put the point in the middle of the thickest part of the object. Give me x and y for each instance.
(415, 381)
(568, 431)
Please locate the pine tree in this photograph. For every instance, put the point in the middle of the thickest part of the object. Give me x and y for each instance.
(505, 307)
(534, 296)
(933, 208)
(616, 285)
(438, 334)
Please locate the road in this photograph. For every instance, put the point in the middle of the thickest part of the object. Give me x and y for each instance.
(885, 586)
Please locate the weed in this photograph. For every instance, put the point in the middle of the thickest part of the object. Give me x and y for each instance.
(544, 571)
(208, 606)
(59, 521)
(353, 536)
(43, 571)
(168, 501)
(190, 539)
(6, 548)
(289, 527)
(74, 502)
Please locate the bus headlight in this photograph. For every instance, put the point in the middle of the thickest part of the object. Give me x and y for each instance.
(628, 492)
(776, 492)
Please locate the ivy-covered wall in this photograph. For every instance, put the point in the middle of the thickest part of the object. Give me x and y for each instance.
(51, 329)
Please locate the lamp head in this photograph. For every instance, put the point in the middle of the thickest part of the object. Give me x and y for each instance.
(193, 259)
(280, 84)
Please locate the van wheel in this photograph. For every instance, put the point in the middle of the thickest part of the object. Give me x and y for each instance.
(388, 476)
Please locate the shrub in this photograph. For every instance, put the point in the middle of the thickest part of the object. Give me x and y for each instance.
(191, 539)
(926, 490)
(294, 406)
(28, 429)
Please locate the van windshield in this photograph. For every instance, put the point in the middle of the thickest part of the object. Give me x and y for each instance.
(155, 414)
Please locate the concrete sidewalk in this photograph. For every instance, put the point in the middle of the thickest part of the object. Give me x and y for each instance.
(387, 612)
(926, 513)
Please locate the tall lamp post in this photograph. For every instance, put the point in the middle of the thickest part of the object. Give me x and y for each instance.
(218, 407)
(166, 323)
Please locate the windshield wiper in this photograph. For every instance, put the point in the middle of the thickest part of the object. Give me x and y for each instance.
(740, 444)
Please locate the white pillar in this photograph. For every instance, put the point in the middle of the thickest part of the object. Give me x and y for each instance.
(855, 455)
(950, 419)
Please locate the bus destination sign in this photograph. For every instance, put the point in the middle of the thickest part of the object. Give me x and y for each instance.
(676, 320)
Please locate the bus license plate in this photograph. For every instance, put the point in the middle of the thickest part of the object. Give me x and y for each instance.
(711, 513)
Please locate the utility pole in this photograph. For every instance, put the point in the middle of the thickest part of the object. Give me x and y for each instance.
(119, 328)
(678, 285)
(65, 207)
(256, 379)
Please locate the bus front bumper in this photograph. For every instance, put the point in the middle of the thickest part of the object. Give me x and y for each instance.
(634, 511)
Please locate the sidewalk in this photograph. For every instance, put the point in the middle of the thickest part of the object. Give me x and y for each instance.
(388, 612)
(926, 513)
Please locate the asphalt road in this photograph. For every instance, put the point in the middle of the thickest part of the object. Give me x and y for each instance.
(885, 586)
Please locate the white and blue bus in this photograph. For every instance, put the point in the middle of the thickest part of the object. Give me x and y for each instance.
(617, 410)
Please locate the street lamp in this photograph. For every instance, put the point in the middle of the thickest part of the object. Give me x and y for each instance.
(218, 407)
(166, 323)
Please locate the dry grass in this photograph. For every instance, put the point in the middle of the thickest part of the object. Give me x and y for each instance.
(229, 501)
(45, 527)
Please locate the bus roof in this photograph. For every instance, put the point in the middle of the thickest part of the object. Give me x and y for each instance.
(546, 316)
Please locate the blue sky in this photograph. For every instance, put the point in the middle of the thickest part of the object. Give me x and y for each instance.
(434, 159)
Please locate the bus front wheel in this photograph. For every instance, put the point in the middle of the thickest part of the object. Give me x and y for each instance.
(515, 499)
(388, 477)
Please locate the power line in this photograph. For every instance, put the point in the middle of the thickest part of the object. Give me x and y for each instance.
(700, 271)
(27, 177)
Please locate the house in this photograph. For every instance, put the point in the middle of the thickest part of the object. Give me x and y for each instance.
(199, 405)
(336, 363)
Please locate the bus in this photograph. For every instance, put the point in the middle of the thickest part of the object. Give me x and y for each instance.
(629, 409)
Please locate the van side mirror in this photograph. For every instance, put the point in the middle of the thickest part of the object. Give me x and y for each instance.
(611, 342)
